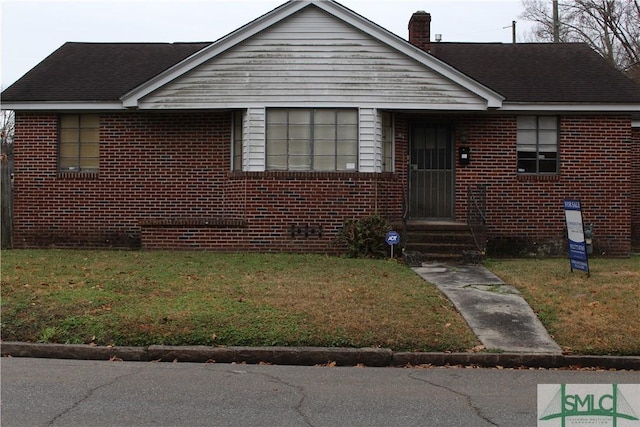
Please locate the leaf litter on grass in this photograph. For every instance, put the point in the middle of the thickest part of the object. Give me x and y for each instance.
(140, 298)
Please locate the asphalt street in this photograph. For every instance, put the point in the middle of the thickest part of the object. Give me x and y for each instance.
(53, 392)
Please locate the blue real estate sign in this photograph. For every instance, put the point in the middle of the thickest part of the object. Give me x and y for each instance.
(575, 231)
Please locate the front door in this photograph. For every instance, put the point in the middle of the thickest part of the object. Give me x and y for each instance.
(431, 172)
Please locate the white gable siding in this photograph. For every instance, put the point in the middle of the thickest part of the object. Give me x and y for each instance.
(312, 59)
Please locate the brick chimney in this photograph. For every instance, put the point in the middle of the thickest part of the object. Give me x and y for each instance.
(420, 30)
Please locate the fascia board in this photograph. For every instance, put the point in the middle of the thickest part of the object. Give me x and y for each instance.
(559, 107)
(130, 99)
(61, 106)
(417, 107)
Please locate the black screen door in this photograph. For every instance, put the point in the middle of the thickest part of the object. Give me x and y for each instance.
(431, 184)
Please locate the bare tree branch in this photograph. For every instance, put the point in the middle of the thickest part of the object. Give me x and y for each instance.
(610, 27)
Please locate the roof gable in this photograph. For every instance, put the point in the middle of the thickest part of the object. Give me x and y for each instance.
(311, 58)
(492, 99)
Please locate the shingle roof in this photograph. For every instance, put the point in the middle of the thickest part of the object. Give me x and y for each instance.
(97, 71)
(530, 73)
(540, 72)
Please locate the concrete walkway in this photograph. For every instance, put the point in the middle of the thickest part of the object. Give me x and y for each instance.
(496, 312)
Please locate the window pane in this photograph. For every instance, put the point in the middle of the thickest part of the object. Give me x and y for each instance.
(89, 163)
(277, 162)
(324, 163)
(299, 117)
(527, 122)
(297, 146)
(300, 132)
(347, 132)
(276, 132)
(324, 132)
(69, 163)
(347, 163)
(69, 121)
(348, 147)
(89, 150)
(325, 117)
(526, 166)
(324, 147)
(547, 137)
(548, 122)
(346, 117)
(277, 116)
(277, 147)
(526, 137)
(300, 163)
(69, 150)
(69, 136)
(548, 166)
(89, 135)
(549, 149)
(89, 121)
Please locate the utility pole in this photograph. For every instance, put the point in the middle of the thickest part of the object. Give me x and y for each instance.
(556, 22)
(513, 31)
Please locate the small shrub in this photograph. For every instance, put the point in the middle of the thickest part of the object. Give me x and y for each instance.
(365, 237)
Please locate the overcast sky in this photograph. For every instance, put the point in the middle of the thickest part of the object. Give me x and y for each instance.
(31, 30)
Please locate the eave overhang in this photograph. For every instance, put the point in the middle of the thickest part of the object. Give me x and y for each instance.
(62, 106)
(570, 107)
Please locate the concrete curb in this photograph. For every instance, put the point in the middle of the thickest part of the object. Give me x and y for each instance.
(311, 356)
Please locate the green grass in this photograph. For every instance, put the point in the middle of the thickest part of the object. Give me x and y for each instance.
(179, 298)
(599, 314)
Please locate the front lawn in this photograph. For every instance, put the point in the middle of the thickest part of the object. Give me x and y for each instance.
(599, 314)
(178, 298)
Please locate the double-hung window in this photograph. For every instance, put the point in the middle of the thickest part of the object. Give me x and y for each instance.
(312, 139)
(537, 144)
(79, 143)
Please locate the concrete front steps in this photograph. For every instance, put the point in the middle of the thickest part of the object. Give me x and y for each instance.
(440, 240)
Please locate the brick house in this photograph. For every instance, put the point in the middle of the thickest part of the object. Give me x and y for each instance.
(270, 138)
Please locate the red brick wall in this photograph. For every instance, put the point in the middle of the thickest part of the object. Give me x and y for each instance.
(635, 188)
(524, 214)
(165, 182)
